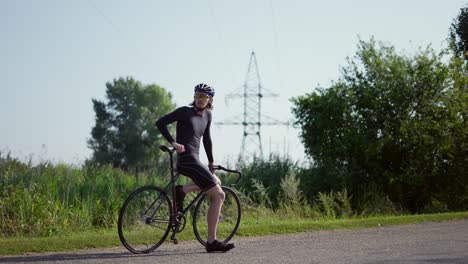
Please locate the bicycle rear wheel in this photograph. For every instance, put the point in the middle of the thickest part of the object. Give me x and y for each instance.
(145, 219)
(228, 222)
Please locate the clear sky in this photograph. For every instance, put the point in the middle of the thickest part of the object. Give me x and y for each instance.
(57, 55)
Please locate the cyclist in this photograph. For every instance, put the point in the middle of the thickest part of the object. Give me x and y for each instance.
(193, 123)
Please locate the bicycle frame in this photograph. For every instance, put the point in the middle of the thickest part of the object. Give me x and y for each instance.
(172, 184)
(170, 219)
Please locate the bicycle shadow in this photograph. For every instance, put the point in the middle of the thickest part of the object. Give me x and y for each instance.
(89, 256)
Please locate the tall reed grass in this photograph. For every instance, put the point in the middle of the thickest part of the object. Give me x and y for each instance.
(47, 199)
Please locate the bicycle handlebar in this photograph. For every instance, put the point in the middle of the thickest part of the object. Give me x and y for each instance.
(165, 148)
(219, 167)
(216, 167)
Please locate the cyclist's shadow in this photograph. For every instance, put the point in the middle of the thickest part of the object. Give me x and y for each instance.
(69, 257)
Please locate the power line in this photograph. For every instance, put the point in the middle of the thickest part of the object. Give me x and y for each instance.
(107, 19)
(133, 48)
(220, 38)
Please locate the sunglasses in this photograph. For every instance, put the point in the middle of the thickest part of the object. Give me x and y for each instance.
(201, 96)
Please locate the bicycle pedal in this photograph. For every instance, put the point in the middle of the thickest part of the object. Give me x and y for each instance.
(174, 239)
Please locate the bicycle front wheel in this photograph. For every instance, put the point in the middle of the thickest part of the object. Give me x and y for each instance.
(145, 219)
(228, 222)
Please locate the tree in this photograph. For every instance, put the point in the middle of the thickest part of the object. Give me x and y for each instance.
(458, 36)
(392, 121)
(124, 134)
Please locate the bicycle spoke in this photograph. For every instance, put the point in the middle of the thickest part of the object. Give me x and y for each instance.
(161, 224)
(142, 233)
(228, 222)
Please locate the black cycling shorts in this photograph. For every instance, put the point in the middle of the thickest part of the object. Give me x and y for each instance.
(189, 165)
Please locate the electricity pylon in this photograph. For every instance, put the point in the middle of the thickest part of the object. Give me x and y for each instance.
(253, 119)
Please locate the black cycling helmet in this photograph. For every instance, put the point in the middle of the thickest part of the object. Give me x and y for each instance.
(205, 88)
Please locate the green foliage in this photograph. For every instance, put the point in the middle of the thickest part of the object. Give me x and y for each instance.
(458, 36)
(290, 190)
(372, 201)
(124, 134)
(334, 204)
(394, 121)
(260, 194)
(268, 224)
(265, 172)
(48, 199)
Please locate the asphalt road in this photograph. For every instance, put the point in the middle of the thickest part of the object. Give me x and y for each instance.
(444, 242)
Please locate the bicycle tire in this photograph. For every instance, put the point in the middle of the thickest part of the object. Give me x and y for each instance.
(230, 217)
(145, 219)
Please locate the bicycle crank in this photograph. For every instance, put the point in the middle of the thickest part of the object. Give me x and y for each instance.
(181, 222)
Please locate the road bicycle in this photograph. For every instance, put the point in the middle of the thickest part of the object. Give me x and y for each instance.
(148, 215)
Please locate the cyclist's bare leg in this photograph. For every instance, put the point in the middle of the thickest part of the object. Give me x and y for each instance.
(216, 195)
(194, 188)
(190, 188)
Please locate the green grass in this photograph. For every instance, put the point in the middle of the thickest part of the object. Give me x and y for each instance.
(49, 207)
(251, 226)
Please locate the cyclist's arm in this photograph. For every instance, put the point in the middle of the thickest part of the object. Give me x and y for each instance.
(207, 143)
(162, 123)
